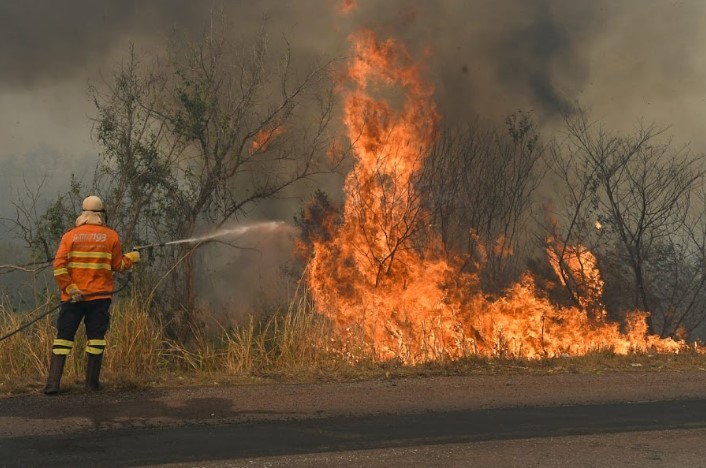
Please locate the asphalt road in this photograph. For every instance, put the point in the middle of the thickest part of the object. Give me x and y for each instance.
(199, 445)
(370, 424)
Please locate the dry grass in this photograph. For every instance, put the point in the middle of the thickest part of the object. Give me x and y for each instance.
(24, 353)
(293, 344)
(286, 345)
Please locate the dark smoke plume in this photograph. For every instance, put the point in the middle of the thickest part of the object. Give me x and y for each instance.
(488, 58)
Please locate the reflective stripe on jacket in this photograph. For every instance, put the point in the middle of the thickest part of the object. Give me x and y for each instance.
(87, 256)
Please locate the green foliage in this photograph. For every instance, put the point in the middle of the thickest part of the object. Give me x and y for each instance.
(181, 148)
(191, 118)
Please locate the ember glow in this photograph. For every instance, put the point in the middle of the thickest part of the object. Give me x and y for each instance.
(396, 300)
(264, 138)
(346, 6)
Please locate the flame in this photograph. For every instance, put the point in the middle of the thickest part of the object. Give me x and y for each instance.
(347, 6)
(391, 299)
(264, 138)
(577, 270)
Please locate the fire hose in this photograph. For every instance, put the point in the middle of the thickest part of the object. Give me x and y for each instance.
(151, 246)
(54, 309)
(40, 265)
(164, 244)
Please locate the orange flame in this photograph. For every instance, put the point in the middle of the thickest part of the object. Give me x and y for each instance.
(577, 269)
(397, 301)
(264, 138)
(346, 6)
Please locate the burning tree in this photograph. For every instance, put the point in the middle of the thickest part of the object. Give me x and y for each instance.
(629, 198)
(370, 265)
(399, 298)
(478, 185)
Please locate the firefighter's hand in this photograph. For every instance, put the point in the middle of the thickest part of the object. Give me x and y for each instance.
(133, 256)
(75, 293)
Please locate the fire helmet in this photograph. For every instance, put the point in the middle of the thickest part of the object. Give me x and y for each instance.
(93, 203)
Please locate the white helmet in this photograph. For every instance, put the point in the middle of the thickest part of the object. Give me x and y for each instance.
(93, 203)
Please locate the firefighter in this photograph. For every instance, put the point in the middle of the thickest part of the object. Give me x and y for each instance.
(87, 256)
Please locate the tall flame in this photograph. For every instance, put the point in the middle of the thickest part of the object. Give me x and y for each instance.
(399, 301)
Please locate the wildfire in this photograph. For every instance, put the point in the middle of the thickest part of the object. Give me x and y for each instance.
(346, 6)
(397, 301)
(577, 269)
(264, 138)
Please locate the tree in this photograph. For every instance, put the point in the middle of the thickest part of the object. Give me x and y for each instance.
(139, 154)
(248, 128)
(40, 226)
(638, 192)
(200, 138)
(478, 185)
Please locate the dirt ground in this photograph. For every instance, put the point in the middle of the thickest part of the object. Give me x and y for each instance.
(76, 411)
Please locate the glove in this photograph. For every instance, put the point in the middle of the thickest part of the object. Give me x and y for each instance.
(133, 256)
(75, 293)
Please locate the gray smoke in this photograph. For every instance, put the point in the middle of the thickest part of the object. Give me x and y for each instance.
(45, 40)
(487, 58)
(624, 59)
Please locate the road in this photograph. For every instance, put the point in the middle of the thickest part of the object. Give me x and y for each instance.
(622, 419)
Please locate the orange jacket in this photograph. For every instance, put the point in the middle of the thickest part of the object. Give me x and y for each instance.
(87, 256)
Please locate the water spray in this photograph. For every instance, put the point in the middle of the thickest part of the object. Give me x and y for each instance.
(265, 225)
(240, 230)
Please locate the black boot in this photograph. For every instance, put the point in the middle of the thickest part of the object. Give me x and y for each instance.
(56, 368)
(93, 371)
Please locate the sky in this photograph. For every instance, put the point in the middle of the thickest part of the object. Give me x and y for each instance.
(625, 60)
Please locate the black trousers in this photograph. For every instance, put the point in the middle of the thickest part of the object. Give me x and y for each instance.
(95, 315)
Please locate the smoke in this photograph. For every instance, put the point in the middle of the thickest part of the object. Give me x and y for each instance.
(535, 53)
(487, 58)
(625, 60)
(244, 272)
(48, 41)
